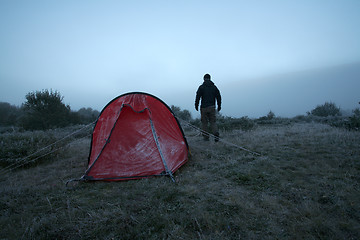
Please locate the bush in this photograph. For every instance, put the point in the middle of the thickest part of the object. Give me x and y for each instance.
(87, 115)
(45, 110)
(351, 123)
(354, 121)
(9, 114)
(229, 123)
(301, 118)
(325, 110)
(270, 118)
(16, 147)
(196, 122)
(182, 114)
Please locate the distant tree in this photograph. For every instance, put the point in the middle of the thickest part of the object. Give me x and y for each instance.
(182, 114)
(269, 116)
(9, 114)
(175, 109)
(87, 115)
(44, 110)
(327, 109)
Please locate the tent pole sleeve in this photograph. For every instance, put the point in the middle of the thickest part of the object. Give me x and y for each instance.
(159, 148)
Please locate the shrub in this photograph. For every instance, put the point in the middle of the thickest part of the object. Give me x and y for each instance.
(16, 146)
(196, 122)
(229, 123)
(354, 120)
(266, 119)
(45, 110)
(87, 115)
(182, 114)
(270, 118)
(301, 118)
(325, 110)
(30, 148)
(9, 114)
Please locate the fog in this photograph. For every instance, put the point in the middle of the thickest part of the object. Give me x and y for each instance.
(283, 56)
(286, 95)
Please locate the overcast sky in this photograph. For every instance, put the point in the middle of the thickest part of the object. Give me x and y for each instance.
(92, 51)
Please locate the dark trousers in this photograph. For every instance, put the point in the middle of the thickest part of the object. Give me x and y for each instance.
(208, 117)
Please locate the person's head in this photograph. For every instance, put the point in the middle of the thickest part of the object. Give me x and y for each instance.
(207, 77)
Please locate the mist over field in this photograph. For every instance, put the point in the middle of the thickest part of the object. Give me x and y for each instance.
(287, 95)
(261, 54)
(291, 94)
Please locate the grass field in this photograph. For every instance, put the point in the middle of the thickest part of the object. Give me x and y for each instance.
(305, 185)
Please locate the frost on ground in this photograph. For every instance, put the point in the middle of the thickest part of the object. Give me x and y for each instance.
(305, 185)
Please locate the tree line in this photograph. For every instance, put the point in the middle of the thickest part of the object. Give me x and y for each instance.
(44, 110)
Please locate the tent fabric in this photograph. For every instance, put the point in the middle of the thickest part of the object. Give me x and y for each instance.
(136, 136)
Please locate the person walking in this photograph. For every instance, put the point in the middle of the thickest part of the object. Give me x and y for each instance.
(208, 93)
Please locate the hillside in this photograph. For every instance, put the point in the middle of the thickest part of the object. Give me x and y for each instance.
(305, 185)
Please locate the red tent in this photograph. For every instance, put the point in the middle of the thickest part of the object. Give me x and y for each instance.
(136, 136)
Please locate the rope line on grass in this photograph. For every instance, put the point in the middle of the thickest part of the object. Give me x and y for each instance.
(33, 160)
(220, 139)
(27, 159)
(24, 160)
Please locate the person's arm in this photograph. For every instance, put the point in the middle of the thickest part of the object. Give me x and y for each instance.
(218, 99)
(197, 99)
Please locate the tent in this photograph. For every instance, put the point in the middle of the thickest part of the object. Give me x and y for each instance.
(135, 136)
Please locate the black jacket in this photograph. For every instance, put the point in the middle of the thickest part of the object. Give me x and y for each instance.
(208, 92)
